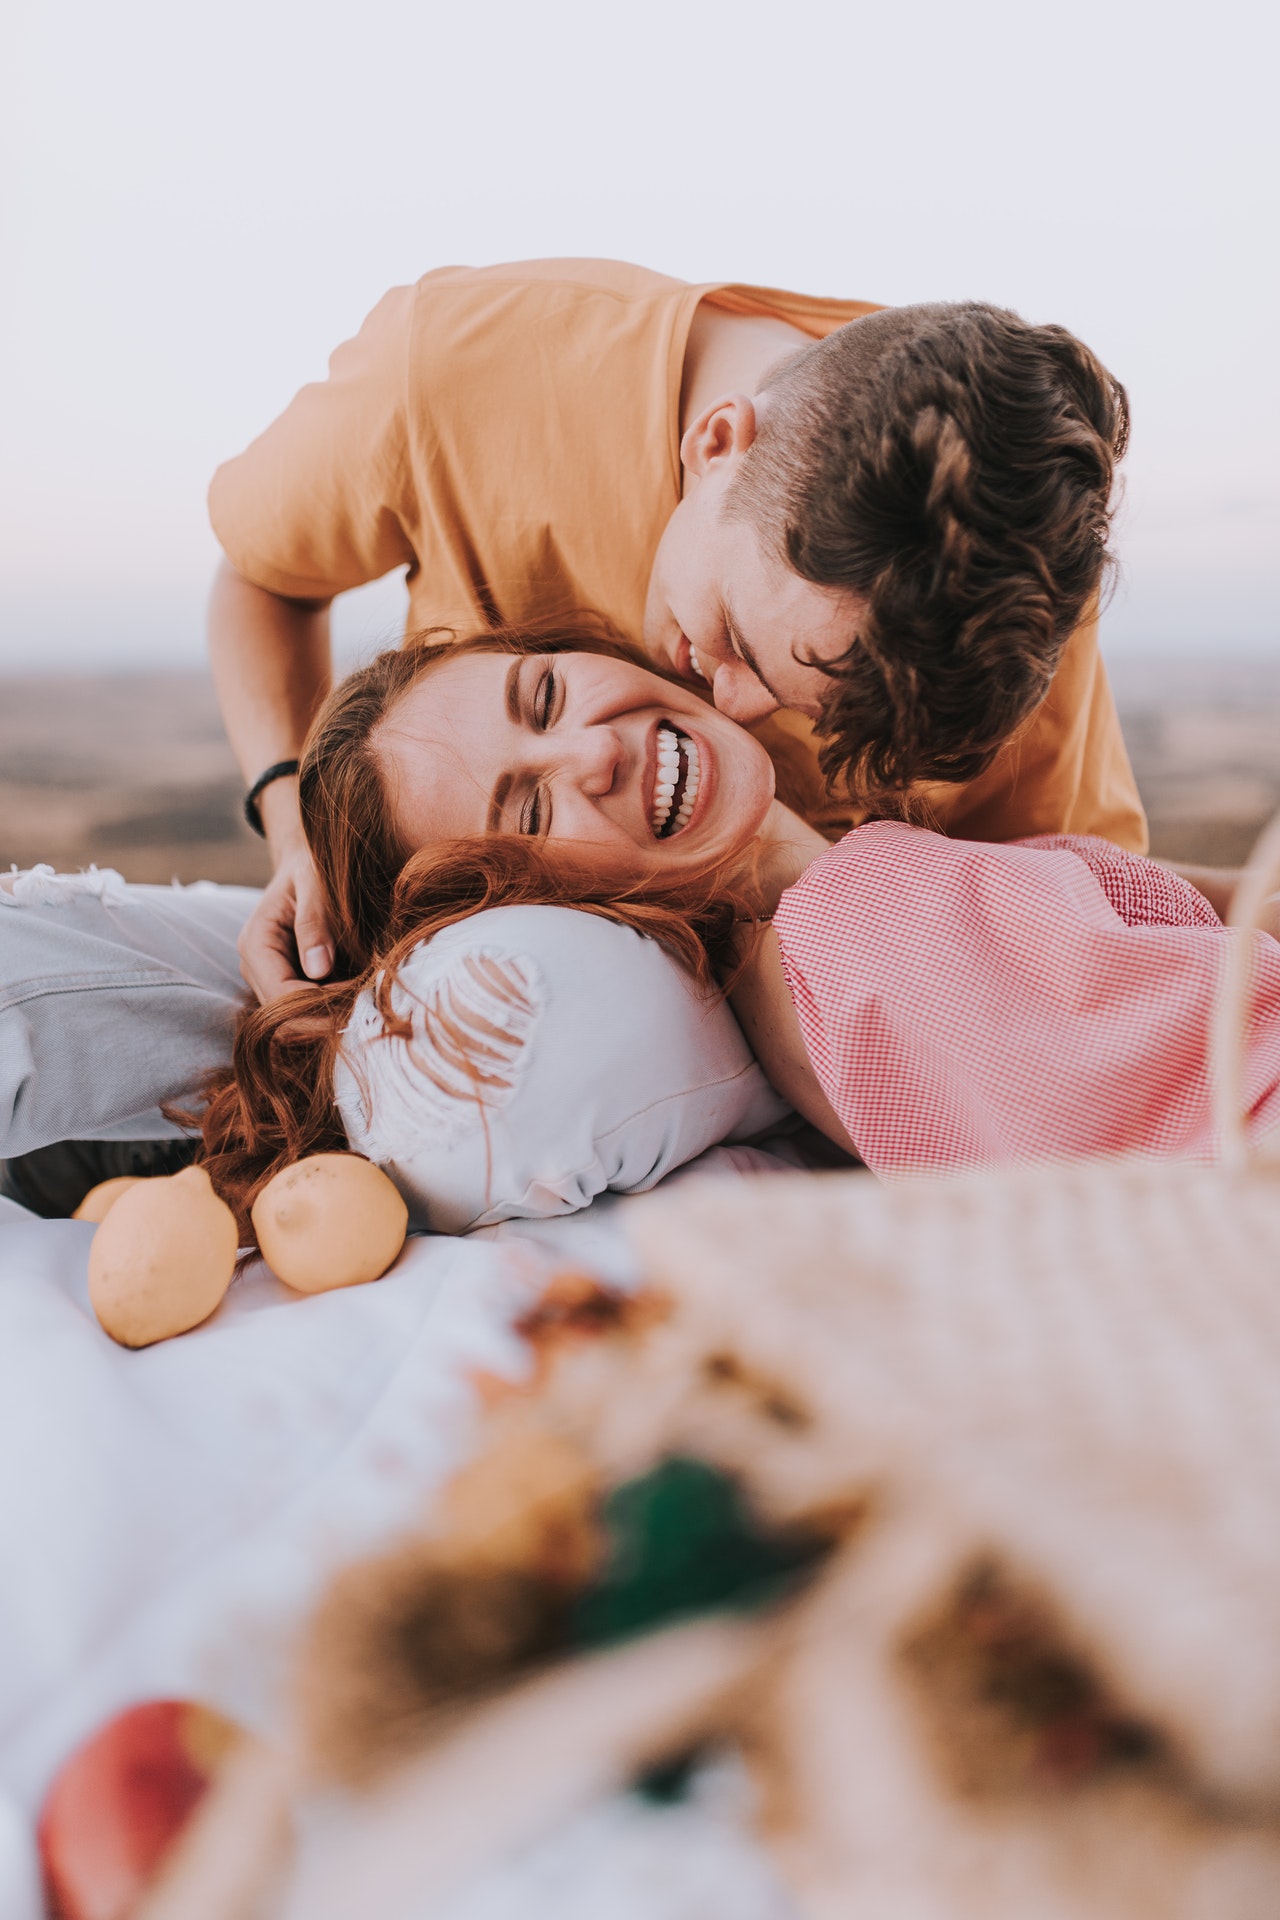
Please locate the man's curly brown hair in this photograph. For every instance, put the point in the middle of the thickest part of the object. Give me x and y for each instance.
(952, 466)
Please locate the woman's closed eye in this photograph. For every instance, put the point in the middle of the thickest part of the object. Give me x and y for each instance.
(535, 814)
(544, 699)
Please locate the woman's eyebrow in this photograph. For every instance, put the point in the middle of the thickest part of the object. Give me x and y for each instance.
(497, 801)
(513, 689)
(503, 784)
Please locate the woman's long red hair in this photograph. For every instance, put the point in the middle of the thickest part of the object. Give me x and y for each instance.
(275, 1102)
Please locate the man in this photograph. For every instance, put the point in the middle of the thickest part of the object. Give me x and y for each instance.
(886, 525)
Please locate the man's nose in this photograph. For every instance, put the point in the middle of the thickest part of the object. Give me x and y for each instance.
(737, 693)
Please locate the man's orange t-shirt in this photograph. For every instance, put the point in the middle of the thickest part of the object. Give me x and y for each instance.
(511, 435)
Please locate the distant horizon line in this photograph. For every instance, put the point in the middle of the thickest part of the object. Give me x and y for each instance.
(1124, 658)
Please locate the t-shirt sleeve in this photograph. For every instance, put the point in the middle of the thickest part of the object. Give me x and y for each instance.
(321, 501)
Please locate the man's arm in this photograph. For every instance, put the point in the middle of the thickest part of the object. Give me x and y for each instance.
(271, 667)
(318, 503)
(1218, 885)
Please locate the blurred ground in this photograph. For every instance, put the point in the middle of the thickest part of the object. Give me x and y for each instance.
(132, 771)
(127, 770)
(1204, 738)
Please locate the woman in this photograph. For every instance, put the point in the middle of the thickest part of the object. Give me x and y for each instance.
(929, 1004)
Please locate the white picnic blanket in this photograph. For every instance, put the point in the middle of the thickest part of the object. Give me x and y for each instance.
(168, 1515)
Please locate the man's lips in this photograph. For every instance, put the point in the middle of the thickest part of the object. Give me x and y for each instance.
(685, 663)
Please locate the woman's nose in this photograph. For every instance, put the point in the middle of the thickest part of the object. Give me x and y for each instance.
(590, 756)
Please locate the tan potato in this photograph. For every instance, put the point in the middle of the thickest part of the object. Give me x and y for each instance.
(331, 1220)
(99, 1200)
(162, 1259)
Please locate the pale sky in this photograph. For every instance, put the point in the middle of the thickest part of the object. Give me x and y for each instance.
(199, 202)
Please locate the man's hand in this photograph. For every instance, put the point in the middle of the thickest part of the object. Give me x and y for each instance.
(290, 922)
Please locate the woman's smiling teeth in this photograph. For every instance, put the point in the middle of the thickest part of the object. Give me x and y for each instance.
(697, 665)
(675, 787)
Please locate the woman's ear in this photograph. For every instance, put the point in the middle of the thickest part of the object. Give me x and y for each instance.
(720, 435)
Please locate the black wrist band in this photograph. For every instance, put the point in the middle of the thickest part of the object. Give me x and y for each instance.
(280, 771)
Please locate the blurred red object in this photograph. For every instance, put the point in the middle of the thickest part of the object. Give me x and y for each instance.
(121, 1801)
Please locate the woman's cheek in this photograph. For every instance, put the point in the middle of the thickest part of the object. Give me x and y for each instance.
(596, 858)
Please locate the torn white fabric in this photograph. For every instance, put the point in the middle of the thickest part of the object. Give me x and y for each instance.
(472, 1016)
(564, 1055)
(42, 886)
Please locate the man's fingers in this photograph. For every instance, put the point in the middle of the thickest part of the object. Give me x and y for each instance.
(290, 920)
(311, 929)
(266, 942)
(266, 964)
(269, 976)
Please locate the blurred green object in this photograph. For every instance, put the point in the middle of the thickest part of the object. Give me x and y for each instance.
(681, 1541)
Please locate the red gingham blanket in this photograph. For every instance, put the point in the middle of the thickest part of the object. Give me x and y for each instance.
(966, 1004)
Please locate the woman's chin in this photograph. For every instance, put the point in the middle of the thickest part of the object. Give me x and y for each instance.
(725, 841)
(775, 857)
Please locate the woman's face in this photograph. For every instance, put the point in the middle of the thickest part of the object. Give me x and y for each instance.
(588, 754)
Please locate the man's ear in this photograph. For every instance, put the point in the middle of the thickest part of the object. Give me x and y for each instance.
(722, 432)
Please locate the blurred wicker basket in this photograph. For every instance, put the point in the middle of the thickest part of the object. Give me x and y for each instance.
(1034, 1415)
